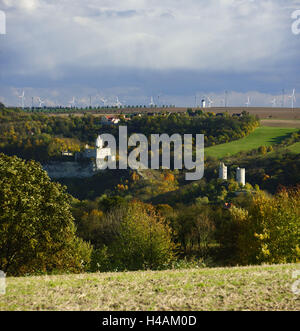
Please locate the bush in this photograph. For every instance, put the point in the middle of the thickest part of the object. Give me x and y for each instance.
(37, 232)
(268, 229)
(262, 150)
(143, 241)
(101, 260)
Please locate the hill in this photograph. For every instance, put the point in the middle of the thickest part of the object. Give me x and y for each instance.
(262, 136)
(238, 288)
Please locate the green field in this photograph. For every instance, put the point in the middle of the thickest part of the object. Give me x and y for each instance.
(262, 136)
(238, 288)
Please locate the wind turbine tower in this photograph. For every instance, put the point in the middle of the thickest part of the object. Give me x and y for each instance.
(41, 102)
(72, 102)
(226, 98)
(152, 104)
(118, 103)
(248, 103)
(283, 97)
(22, 96)
(293, 97)
(104, 101)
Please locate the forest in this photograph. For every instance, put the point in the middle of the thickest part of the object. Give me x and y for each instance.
(145, 219)
(42, 138)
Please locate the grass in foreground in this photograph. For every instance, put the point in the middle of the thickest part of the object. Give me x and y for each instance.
(262, 136)
(240, 288)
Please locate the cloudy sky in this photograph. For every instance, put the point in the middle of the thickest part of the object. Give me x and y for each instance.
(174, 50)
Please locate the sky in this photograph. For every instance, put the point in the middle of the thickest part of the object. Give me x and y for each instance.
(177, 51)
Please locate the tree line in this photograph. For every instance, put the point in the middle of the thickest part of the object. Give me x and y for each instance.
(42, 138)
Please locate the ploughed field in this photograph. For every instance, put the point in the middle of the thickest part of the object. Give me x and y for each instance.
(262, 112)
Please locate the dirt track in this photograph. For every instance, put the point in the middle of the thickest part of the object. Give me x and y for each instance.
(281, 123)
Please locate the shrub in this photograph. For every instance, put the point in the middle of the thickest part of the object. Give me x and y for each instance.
(268, 229)
(262, 150)
(143, 240)
(101, 260)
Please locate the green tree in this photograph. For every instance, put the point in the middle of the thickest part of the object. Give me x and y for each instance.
(195, 229)
(37, 232)
(268, 228)
(144, 239)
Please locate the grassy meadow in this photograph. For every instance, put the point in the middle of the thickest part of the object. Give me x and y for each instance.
(262, 136)
(237, 288)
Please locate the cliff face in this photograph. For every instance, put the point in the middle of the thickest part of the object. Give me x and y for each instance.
(69, 169)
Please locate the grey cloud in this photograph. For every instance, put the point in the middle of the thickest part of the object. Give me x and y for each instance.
(177, 45)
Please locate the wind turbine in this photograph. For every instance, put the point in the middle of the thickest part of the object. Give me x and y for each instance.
(22, 98)
(118, 103)
(248, 103)
(274, 102)
(72, 102)
(41, 102)
(152, 104)
(293, 97)
(226, 99)
(158, 103)
(103, 100)
(210, 102)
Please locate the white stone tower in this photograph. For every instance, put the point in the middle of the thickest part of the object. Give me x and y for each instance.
(241, 176)
(223, 171)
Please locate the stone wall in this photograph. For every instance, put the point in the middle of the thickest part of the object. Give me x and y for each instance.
(69, 169)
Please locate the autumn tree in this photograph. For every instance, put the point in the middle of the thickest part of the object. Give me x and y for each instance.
(37, 232)
(268, 229)
(143, 240)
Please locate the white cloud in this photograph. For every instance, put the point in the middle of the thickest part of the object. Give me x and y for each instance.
(53, 39)
(193, 34)
(22, 4)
